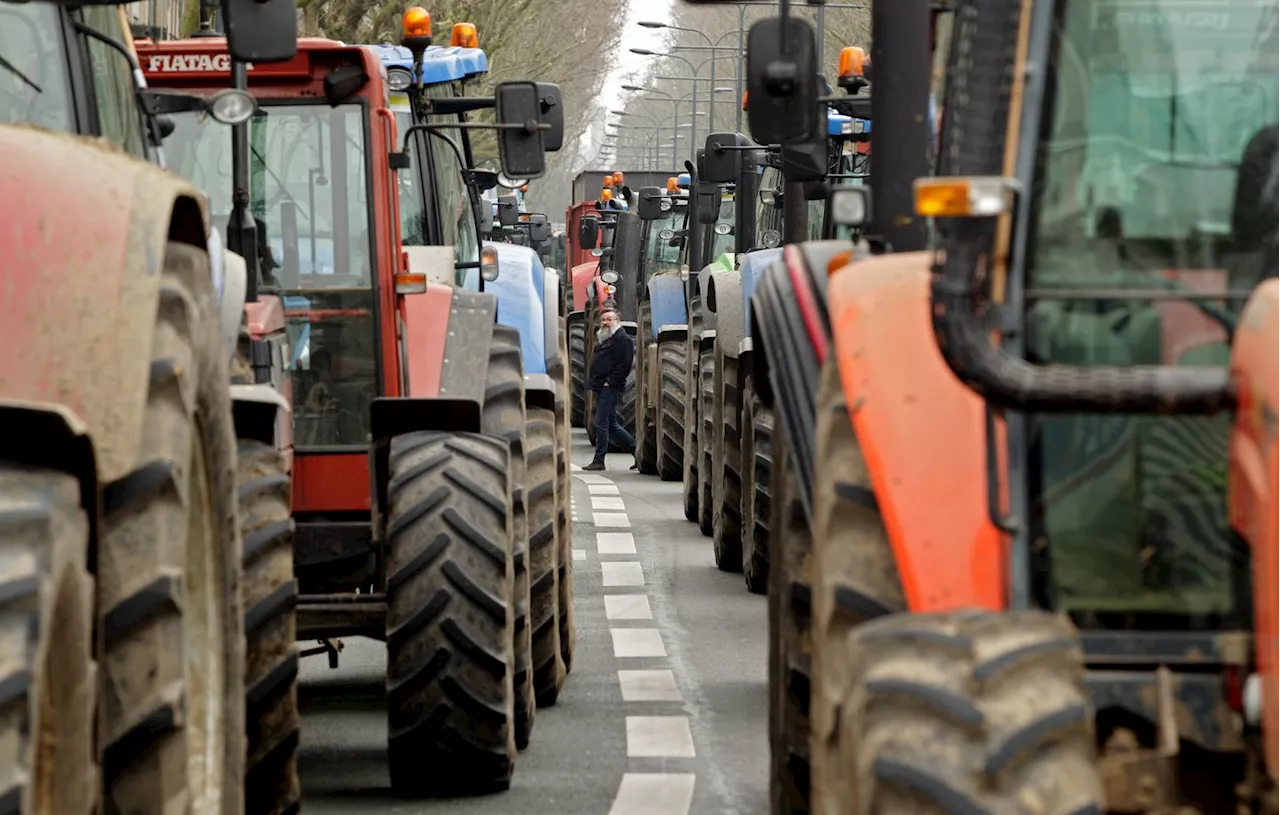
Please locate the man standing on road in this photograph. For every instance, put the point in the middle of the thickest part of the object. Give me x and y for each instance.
(609, 369)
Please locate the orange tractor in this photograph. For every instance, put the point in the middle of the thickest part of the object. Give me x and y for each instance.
(1025, 523)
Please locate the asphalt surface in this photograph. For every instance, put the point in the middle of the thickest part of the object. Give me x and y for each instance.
(680, 726)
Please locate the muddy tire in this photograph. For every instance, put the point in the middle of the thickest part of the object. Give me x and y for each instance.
(503, 416)
(647, 433)
(544, 572)
(577, 336)
(790, 592)
(626, 411)
(272, 722)
(969, 711)
(726, 519)
(706, 435)
(47, 690)
(564, 544)
(450, 615)
(757, 466)
(169, 563)
(672, 356)
(856, 575)
(689, 468)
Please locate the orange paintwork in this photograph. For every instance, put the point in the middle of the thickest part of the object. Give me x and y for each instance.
(921, 432)
(266, 316)
(336, 482)
(1252, 494)
(426, 319)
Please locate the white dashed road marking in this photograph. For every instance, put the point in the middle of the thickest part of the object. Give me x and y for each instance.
(602, 489)
(659, 737)
(579, 554)
(654, 794)
(611, 519)
(648, 686)
(622, 573)
(615, 543)
(637, 642)
(627, 607)
(607, 502)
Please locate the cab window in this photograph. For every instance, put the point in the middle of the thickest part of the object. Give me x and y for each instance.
(34, 83)
(113, 90)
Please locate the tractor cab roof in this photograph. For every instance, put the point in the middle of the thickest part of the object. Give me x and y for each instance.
(440, 64)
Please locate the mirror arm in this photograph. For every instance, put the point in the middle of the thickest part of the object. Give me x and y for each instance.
(527, 127)
(461, 104)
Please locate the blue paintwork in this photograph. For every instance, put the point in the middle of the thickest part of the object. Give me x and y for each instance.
(439, 65)
(666, 303)
(519, 289)
(753, 266)
(682, 181)
(837, 122)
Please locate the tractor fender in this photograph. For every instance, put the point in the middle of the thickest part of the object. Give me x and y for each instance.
(235, 282)
(539, 391)
(921, 432)
(85, 228)
(708, 308)
(520, 304)
(666, 301)
(551, 317)
(580, 278)
(753, 265)
(673, 332)
(724, 289)
(745, 349)
(259, 410)
(464, 368)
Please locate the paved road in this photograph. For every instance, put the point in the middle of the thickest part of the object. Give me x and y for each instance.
(665, 710)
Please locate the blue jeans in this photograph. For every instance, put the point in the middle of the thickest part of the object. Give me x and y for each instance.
(608, 424)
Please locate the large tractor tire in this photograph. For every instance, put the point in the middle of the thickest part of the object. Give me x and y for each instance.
(503, 416)
(757, 467)
(790, 593)
(726, 518)
(689, 468)
(706, 436)
(856, 575)
(647, 428)
(544, 557)
(672, 356)
(577, 336)
(450, 615)
(47, 691)
(272, 721)
(564, 494)
(968, 712)
(170, 618)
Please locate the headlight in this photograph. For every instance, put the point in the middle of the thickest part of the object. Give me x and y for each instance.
(723, 229)
(666, 235)
(609, 277)
(664, 204)
(772, 239)
(232, 106)
(489, 263)
(398, 79)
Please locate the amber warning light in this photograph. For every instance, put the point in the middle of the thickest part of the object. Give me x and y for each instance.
(464, 36)
(416, 31)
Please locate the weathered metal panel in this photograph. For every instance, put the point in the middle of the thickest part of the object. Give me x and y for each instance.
(466, 349)
(83, 228)
(666, 302)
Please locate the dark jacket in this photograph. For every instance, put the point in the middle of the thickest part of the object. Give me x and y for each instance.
(612, 361)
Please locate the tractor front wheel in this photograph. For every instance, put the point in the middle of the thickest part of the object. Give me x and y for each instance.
(726, 521)
(672, 356)
(757, 466)
(577, 335)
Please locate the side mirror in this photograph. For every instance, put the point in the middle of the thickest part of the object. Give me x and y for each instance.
(849, 206)
(650, 206)
(520, 144)
(782, 85)
(508, 210)
(806, 161)
(588, 232)
(341, 84)
(485, 179)
(721, 163)
(539, 232)
(261, 30)
(552, 110)
(484, 217)
(707, 200)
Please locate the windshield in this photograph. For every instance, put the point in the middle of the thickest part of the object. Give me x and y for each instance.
(659, 253)
(457, 212)
(34, 86)
(309, 193)
(1157, 153)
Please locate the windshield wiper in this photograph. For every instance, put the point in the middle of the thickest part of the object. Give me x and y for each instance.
(4, 63)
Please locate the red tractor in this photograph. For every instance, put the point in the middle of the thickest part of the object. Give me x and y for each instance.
(409, 412)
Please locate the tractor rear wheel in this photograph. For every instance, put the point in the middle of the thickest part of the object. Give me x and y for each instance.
(577, 336)
(544, 572)
(968, 711)
(689, 468)
(272, 721)
(503, 417)
(856, 575)
(790, 592)
(726, 520)
(627, 411)
(706, 435)
(672, 355)
(564, 546)
(170, 618)
(450, 615)
(47, 688)
(757, 463)
(647, 429)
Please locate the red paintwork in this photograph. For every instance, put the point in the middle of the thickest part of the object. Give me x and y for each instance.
(426, 319)
(921, 432)
(580, 278)
(805, 302)
(331, 482)
(321, 482)
(1253, 497)
(265, 316)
